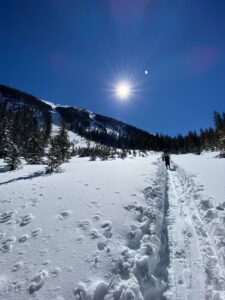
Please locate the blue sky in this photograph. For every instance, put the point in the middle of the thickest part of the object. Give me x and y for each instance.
(73, 52)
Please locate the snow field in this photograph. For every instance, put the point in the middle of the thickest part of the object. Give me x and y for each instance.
(114, 230)
(65, 235)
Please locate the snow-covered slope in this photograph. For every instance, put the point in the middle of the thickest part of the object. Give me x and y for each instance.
(119, 230)
(76, 139)
(84, 123)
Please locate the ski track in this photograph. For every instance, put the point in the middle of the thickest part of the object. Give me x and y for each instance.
(196, 270)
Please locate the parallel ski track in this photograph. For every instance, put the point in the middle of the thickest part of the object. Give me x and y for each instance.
(194, 271)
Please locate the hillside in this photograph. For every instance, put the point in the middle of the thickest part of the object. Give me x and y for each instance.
(94, 127)
(26, 111)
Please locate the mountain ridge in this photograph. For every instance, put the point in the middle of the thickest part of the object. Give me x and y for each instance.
(88, 124)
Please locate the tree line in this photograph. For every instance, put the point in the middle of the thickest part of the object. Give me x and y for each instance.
(25, 133)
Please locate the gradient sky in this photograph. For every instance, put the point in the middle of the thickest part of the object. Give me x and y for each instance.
(73, 51)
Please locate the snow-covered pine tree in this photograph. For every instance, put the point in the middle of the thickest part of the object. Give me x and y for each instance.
(59, 151)
(112, 153)
(54, 156)
(3, 133)
(11, 151)
(35, 147)
(92, 156)
(123, 153)
(219, 120)
(105, 152)
(13, 156)
(64, 144)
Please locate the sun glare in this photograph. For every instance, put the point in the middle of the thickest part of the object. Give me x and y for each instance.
(123, 90)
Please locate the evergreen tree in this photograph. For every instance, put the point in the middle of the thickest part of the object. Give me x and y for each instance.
(104, 153)
(59, 150)
(11, 151)
(93, 155)
(64, 143)
(13, 156)
(218, 120)
(123, 153)
(35, 148)
(54, 156)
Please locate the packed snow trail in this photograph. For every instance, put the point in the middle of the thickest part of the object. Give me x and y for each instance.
(196, 271)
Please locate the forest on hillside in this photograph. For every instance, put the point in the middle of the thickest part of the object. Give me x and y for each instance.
(25, 132)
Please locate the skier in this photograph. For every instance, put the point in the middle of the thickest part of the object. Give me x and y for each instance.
(166, 157)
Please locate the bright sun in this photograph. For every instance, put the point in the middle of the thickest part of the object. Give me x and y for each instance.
(123, 90)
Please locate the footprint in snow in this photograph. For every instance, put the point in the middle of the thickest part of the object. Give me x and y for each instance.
(35, 203)
(96, 218)
(18, 265)
(46, 262)
(94, 202)
(26, 220)
(94, 233)
(64, 214)
(80, 292)
(23, 238)
(55, 272)
(7, 216)
(101, 246)
(38, 281)
(85, 224)
(8, 244)
(36, 232)
(107, 227)
(133, 227)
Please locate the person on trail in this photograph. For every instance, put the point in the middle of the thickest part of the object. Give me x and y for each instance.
(166, 157)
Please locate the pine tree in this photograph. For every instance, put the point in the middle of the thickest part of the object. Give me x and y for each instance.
(64, 144)
(3, 137)
(104, 154)
(218, 120)
(221, 141)
(11, 151)
(93, 154)
(54, 156)
(13, 156)
(123, 153)
(35, 148)
(59, 150)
